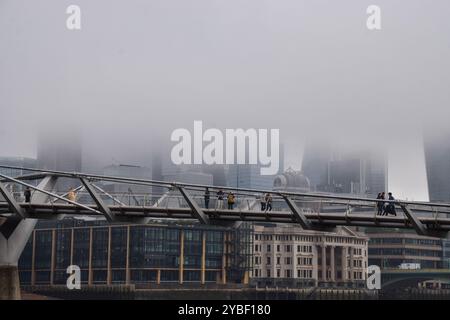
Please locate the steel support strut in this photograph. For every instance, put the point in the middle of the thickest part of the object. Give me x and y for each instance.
(197, 212)
(13, 205)
(298, 215)
(102, 207)
(417, 225)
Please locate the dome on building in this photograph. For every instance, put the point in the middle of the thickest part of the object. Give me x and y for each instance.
(292, 180)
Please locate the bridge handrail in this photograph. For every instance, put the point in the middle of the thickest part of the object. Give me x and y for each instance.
(190, 186)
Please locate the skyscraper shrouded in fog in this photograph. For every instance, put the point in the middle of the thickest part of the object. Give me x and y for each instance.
(249, 175)
(60, 150)
(354, 172)
(316, 158)
(437, 161)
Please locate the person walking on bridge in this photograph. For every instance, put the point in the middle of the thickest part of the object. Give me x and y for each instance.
(231, 200)
(383, 204)
(207, 198)
(263, 202)
(71, 195)
(390, 209)
(380, 204)
(220, 196)
(27, 194)
(268, 202)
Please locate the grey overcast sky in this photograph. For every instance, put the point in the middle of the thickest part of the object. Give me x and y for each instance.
(139, 69)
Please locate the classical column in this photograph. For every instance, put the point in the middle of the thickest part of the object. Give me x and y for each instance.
(350, 267)
(324, 263)
(344, 264)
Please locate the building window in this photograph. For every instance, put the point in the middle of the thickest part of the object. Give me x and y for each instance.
(268, 248)
(268, 260)
(278, 273)
(278, 248)
(278, 260)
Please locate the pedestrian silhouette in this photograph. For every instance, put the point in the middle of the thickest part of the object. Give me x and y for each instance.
(27, 194)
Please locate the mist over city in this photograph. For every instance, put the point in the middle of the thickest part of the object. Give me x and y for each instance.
(133, 74)
(361, 114)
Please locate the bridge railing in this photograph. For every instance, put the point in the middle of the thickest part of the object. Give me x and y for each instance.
(92, 198)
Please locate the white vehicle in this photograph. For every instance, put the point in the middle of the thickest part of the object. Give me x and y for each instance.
(409, 266)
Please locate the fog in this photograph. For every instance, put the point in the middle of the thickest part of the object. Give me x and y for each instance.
(137, 70)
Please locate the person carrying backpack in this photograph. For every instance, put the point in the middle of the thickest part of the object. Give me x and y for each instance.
(231, 199)
(391, 206)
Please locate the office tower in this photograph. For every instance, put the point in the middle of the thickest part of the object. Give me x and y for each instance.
(339, 171)
(60, 150)
(249, 175)
(136, 254)
(315, 165)
(437, 161)
(218, 173)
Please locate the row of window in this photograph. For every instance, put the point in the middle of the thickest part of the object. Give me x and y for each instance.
(150, 250)
(287, 260)
(357, 263)
(306, 261)
(288, 273)
(287, 248)
(265, 237)
(423, 242)
(404, 252)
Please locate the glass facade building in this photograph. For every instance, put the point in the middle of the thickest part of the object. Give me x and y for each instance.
(135, 254)
(390, 250)
(437, 159)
